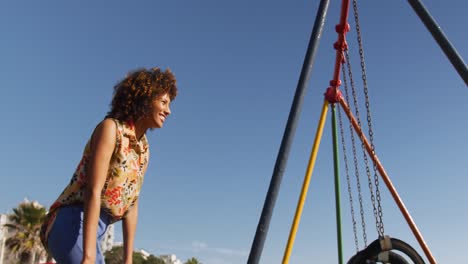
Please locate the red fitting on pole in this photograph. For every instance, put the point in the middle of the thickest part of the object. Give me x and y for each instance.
(340, 29)
(341, 45)
(335, 83)
(333, 94)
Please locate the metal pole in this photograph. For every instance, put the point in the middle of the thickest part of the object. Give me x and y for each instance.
(305, 185)
(281, 160)
(337, 185)
(441, 39)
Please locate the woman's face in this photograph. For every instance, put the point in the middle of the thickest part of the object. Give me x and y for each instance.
(160, 111)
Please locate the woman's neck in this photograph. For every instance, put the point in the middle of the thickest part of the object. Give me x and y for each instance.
(140, 128)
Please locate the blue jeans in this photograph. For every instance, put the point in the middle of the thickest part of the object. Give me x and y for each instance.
(65, 240)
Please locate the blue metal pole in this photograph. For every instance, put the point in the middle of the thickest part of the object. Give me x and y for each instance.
(440, 38)
(281, 160)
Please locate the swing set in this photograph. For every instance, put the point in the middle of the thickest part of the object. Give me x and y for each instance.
(384, 249)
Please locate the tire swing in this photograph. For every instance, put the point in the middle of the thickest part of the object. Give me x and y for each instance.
(381, 250)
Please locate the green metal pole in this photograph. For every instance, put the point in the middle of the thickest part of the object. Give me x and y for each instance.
(337, 184)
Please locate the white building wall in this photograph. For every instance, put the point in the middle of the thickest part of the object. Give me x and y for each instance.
(4, 234)
(108, 241)
(170, 259)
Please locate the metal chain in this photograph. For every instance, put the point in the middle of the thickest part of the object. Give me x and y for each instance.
(353, 141)
(366, 160)
(379, 222)
(345, 157)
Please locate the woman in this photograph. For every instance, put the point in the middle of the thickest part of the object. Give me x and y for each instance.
(107, 182)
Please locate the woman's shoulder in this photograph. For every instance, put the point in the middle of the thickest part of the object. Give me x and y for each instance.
(106, 130)
(108, 125)
(109, 122)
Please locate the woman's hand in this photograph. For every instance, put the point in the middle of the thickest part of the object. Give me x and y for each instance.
(128, 228)
(88, 260)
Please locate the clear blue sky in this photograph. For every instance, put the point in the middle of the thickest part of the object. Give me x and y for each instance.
(237, 65)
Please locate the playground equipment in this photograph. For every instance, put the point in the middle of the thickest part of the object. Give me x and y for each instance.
(384, 249)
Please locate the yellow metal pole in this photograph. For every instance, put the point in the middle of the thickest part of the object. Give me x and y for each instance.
(305, 185)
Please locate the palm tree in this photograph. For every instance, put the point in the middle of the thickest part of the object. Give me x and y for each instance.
(26, 221)
(192, 261)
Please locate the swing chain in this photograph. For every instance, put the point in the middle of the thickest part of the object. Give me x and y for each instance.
(345, 157)
(366, 161)
(380, 226)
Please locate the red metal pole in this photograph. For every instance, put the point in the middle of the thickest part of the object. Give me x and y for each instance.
(388, 182)
(332, 94)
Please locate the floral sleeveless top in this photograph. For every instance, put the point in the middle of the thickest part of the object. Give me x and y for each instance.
(123, 182)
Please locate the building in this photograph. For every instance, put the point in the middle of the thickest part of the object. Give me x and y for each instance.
(3, 230)
(144, 253)
(5, 233)
(170, 259)
(108, 241)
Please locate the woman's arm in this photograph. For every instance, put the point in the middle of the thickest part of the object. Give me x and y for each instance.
(129, 227)
(102, 147)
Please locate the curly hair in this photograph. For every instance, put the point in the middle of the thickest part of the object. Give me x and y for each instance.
(133, 95)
